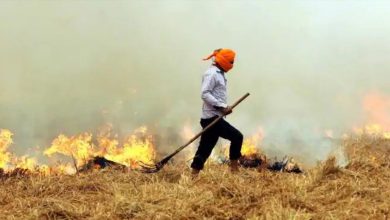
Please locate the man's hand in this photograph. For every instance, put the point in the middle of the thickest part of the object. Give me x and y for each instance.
(226, 111)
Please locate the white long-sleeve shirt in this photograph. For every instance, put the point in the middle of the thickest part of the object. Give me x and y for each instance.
(214, 93)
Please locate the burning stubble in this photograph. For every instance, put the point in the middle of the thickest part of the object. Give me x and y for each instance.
(71, 67)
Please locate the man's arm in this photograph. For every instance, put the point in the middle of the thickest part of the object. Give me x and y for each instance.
(208, 85)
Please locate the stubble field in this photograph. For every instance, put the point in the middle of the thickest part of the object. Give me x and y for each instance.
(358, 191)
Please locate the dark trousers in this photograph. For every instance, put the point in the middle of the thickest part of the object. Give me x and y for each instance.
(209, 139)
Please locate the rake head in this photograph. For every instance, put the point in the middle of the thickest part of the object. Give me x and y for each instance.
(153, 168)
(150, 168)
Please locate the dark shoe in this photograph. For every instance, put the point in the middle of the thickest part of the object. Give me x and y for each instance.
(234, 166)
(194, 173)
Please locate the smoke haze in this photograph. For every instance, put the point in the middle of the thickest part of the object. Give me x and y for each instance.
(72, 66)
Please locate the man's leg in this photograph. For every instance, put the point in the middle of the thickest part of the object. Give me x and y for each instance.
(206, 145)
(235, 137)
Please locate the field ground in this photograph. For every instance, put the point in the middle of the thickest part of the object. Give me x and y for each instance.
(358, 191)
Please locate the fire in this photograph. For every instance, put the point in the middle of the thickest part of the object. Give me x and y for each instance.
(250, 145)
(138, 147)
(25, 162)
(375, 130)
(9, 161)
(78, 147)
(377, 109)
(377, 112)
(5, 142)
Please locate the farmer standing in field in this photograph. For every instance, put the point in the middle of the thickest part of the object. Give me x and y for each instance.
(214, 96)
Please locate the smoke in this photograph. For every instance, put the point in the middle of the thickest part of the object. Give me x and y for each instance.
(72, 66)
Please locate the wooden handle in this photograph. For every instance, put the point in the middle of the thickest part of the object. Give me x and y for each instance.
(211, 124)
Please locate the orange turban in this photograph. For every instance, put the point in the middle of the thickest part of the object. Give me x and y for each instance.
(224, 58)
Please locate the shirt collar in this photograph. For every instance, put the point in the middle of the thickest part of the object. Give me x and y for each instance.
(218, 70)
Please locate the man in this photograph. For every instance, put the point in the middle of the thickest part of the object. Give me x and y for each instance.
(214, 97)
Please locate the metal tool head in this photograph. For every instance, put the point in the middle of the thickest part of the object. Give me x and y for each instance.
(150, 168)
(154, 168)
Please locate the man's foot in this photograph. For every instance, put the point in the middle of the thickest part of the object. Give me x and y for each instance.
(195, 173)
(234, 166)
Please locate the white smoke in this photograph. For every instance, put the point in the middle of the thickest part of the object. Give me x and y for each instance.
(72, 66)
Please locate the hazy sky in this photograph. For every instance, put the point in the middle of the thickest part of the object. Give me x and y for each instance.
(72, 66)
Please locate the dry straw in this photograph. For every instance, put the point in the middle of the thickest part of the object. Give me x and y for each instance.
(358, 191)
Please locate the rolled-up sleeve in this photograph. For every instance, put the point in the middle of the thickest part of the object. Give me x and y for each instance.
(208, 84)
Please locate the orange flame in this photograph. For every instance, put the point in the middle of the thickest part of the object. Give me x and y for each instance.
(138, 147)
(5, 142)
(79, 147)
(25, 162)
(251, 145)
(377, 111)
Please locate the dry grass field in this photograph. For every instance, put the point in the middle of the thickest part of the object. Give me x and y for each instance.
(358, 191)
